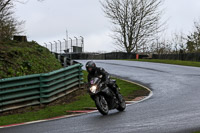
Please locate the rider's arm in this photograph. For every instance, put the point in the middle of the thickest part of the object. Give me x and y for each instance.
(89, 78)
(104, 74)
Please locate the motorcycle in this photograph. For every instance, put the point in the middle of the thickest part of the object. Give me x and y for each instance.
(104, 98)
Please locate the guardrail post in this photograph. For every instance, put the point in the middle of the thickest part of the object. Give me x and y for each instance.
(80, 71)
(41, 90)
(78, 76)
(1, 103)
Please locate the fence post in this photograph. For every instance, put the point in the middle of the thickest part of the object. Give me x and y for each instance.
(65, 61)
(76, 41)
(66, 45)
(82, 43)
(51, 47)
(59, 58)
(71, 44)
(60, 46)
(56, 46)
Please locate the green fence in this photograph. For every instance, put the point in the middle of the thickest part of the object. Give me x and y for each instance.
(36, 89)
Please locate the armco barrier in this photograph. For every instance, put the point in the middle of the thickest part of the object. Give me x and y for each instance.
(36, 89)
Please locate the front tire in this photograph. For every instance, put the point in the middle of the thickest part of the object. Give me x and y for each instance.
(102, 105)
(122, 104)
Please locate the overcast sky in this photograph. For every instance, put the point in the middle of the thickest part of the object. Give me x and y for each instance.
(48, 20)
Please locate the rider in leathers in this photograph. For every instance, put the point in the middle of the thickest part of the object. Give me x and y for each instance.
(94, 71)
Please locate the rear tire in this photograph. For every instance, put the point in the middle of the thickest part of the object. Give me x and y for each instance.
(122, 104)
(102, 105)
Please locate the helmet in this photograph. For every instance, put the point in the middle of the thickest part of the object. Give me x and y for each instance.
(90, 66)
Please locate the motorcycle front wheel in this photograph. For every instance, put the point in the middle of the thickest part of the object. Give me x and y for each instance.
(102, 105)
(122, 104)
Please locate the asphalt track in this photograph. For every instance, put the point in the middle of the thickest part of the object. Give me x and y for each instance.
(174, 106)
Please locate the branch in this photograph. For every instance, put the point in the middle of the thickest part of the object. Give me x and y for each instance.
(3, 5)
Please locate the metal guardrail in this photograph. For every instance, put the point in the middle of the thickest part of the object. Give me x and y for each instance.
(36, 89)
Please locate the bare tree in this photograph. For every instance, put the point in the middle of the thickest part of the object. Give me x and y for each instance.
(161, 46)
(4, 4)
(9, 25)
(135, 21)
(178, 42)
(193, 40)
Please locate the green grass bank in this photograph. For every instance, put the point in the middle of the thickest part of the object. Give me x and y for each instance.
(24, 58)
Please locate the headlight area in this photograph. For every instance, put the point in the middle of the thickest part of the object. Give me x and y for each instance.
(93, 89)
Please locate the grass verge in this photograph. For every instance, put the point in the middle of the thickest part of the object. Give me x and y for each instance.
(175, 62)
(128, 90)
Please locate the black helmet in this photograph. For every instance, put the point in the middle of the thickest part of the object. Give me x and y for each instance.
(90, 66)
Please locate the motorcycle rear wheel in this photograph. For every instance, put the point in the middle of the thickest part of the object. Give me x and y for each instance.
(102, 105)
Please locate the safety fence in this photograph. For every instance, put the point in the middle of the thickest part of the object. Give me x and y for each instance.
(37, 89)
(66, 45)
(103, 56)
(180, 56)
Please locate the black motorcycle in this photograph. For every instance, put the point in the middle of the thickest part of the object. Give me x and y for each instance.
(104, 98)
